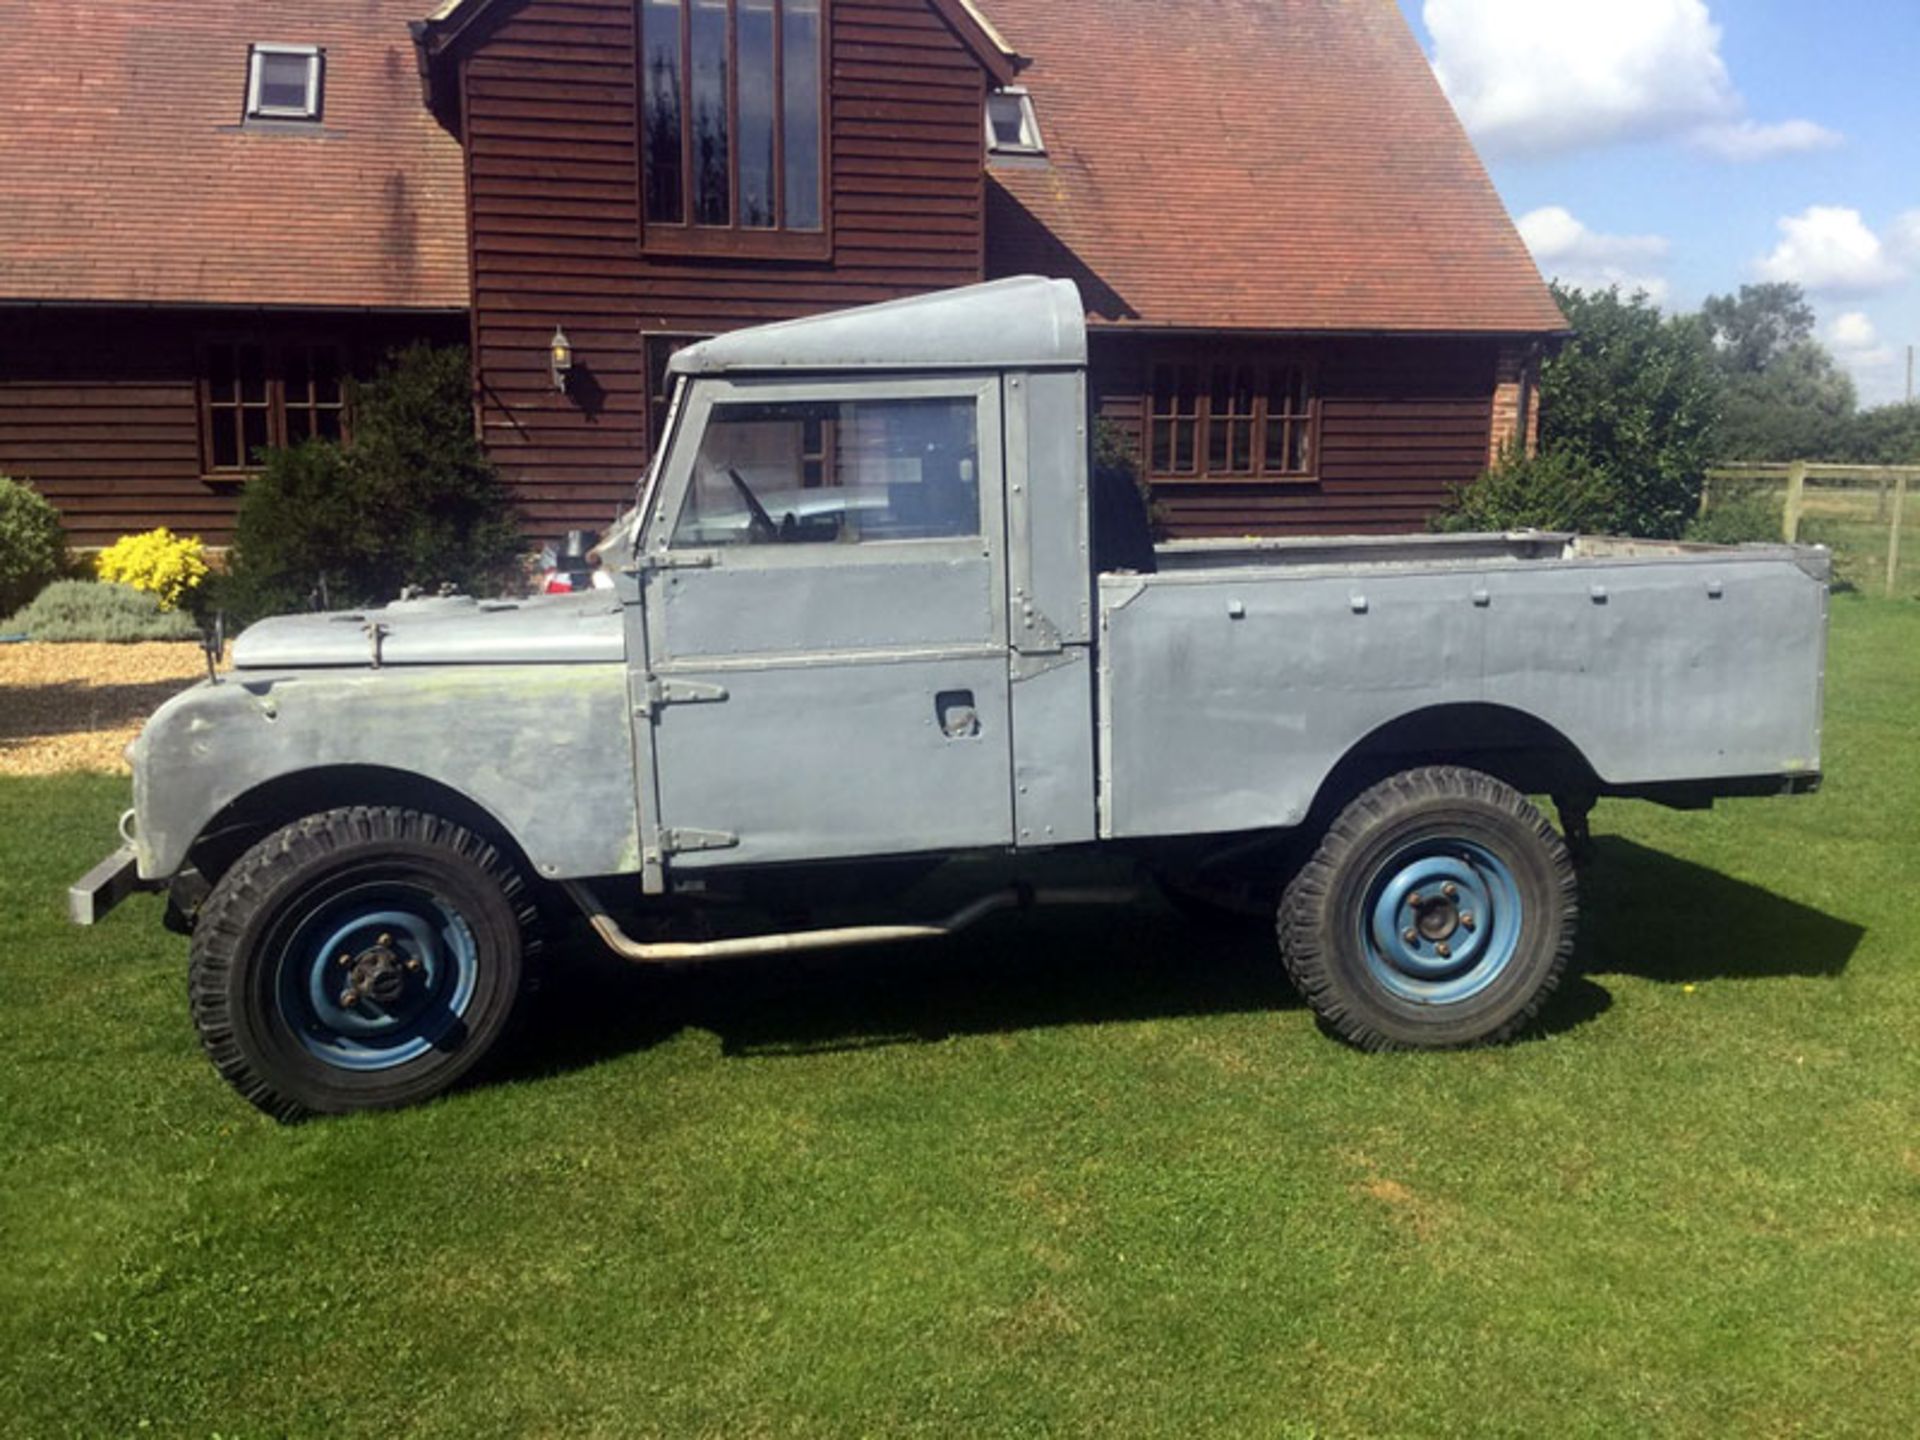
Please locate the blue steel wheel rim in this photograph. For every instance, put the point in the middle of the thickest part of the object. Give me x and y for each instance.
(433, 948)
(1440, 920)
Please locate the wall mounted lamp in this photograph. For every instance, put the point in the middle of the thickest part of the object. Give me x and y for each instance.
(560, 358)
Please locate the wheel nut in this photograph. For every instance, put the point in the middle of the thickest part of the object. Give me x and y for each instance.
(349, 998)
(345, 960)
(413, 962)
(1411, 936)
(386, 940)
(1416, 900)
(1466, 921)
(1443, 950)
(1450, 890)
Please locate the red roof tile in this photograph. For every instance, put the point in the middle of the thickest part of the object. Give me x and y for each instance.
(1267, 164)
(125, 173)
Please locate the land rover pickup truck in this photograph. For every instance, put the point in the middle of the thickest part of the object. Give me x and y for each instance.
(873, 619)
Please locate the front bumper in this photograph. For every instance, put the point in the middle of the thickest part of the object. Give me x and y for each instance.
(104, 886)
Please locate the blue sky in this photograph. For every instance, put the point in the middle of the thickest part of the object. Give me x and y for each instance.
(1691, 146)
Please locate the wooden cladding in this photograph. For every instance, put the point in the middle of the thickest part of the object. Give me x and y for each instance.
(1235, 419)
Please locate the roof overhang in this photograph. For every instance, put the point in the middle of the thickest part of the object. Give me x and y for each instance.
(437, 35)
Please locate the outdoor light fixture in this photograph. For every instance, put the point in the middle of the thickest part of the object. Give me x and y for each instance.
(560, 356)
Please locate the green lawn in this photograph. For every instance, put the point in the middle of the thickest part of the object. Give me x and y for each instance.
(1098, 1174)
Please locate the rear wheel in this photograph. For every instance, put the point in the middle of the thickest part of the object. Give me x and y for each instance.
(1438, 911)
(358, 959)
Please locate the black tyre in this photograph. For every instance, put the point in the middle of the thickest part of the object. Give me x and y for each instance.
(1438, 911)
(359, 959)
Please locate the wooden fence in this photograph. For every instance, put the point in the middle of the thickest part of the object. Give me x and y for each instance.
(1888, 482)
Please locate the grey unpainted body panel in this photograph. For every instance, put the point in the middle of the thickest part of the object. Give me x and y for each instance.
(1229, 694)
(543, 749)
(547, 630)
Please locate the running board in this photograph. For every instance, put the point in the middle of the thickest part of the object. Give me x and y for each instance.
(665, 952)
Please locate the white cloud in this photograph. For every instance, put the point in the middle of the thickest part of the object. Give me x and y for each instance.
(1903, 238)
(1534, 78)
(1747, 140)
(1856, 341)
(1829, 249)
(1566, 250)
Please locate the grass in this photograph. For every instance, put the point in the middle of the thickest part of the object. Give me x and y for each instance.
(1852, 518)
(1095, 1175)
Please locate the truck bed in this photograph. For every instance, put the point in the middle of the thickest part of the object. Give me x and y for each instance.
(1234, 679)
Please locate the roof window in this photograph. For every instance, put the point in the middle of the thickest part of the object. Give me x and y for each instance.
(1012, 128)
(283, 82)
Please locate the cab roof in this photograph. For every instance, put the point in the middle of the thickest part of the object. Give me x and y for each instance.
(1021, 323)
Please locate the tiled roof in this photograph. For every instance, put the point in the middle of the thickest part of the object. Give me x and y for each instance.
(1267, 164)
(126, 174)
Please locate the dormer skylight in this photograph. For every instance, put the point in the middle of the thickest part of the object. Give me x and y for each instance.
(283, 82)
(1012, 128)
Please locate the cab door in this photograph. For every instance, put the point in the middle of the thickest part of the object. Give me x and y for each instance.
(825, 669)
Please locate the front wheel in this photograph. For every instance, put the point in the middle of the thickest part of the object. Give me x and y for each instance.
(1438, 912)
(358, 959)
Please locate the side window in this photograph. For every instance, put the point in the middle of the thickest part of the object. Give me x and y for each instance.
(834, 472)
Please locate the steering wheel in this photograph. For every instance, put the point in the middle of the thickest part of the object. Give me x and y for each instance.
(760, 526)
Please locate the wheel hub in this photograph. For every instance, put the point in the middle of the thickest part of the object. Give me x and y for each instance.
(1441, 920)
(380, 973)
(1437, 919)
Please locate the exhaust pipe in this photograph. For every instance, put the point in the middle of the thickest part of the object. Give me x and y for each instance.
(668, 952)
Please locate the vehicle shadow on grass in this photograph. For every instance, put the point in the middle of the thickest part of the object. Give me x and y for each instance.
(1047, 970)
(1644, 913)
(1648, 914)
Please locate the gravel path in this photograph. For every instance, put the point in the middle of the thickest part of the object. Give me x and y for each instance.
(75, 707)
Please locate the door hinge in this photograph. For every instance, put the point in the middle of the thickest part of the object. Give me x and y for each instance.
(662, 693)
(672, 560)
(684, 841)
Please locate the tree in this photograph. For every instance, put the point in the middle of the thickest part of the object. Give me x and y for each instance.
(1786, 397)
(412, 500)
(1628, 409)
(1754, 328)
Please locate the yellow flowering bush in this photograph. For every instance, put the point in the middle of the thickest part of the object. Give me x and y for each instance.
(167, 566)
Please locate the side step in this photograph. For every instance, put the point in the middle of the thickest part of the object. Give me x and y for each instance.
(1020, 897)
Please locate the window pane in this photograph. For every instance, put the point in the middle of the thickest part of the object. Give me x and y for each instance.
(755, 41)
(1004, 114)
(284, 82)
(879, 471)
(253, 374)
(226, 440)
(253, 433)
(800, 58)
(661, 62)
(1183, 447)
(712, 203)
(1217, 444)
(299, 426)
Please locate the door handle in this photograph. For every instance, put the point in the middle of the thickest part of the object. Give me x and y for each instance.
(958, 716)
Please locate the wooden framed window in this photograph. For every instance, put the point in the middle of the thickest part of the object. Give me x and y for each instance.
(1230, 420)
(256, 394)
(733, 151)
(283, 82)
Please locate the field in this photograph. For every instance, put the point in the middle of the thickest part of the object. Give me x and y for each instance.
(1853, 518)
(1099, 1174)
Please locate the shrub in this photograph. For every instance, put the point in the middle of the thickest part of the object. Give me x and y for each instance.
(1550, 491)
(412, 500)
(33, 548)
(1741, 520)
(167, 566)
(73, 610)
